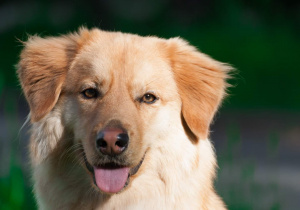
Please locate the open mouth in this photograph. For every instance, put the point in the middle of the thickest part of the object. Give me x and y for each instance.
(111, 177)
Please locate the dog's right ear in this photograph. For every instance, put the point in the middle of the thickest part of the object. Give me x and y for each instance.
(42, 69)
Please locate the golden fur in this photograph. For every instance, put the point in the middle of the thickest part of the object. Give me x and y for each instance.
(171, 134)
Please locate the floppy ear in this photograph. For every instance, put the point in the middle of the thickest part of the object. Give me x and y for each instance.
(43, 65)
(201, 83)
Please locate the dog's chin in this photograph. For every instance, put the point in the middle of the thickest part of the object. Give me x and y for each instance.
(112, 177)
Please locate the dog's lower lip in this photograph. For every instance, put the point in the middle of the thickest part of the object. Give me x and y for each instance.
(88, 166)
(135, 169)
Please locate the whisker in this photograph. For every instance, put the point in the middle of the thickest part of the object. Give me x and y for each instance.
(154, 80)
(69, 152)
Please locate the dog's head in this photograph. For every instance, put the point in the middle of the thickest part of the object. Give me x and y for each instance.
(120, 94)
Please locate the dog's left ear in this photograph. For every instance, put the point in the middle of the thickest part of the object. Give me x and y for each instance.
(42, 69)
(201, 83)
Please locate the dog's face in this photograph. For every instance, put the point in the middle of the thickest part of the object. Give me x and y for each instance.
(114, 95)
(119, 95)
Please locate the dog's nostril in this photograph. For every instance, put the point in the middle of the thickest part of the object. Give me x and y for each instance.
(122, 140)
(101, 143)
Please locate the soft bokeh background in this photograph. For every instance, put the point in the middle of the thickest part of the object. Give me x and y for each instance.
(257, 131)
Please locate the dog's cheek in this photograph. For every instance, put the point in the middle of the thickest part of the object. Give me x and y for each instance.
(160, 122)
(72, 118)
(70, 112)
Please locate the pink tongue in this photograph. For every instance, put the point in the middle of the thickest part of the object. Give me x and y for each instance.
(111, 180)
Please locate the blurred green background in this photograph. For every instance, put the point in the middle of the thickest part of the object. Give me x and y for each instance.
(257, 131)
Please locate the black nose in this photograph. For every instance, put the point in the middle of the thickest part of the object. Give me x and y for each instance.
(112, 141)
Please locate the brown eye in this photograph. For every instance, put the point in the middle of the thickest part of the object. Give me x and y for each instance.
(149, 98)
(90, 93)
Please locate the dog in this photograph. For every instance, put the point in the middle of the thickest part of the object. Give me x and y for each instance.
(121, 121)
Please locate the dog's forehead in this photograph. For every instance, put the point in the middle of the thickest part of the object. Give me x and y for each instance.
(128, 57)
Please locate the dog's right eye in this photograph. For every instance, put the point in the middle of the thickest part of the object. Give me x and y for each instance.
(90, 93)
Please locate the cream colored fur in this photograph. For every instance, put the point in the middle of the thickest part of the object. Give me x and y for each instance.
(178, 170)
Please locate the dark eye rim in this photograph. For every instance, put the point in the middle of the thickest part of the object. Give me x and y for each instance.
(149, 102)
(95, 95)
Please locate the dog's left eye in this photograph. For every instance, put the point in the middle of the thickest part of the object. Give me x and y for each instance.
(149, 98)
(90, 93)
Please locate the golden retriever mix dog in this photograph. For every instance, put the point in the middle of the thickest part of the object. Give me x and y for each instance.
(121, 121)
